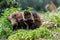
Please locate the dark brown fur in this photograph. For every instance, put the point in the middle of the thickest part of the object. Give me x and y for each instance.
(26, 20)
(29, 19)
(34, 20)
(37, 20)
(16, 19)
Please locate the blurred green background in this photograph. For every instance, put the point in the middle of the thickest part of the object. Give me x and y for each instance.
(38, 5)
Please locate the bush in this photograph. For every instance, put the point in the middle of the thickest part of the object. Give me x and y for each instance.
(5, 26)
(41, 32)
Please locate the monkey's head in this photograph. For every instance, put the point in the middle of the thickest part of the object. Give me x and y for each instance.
(28, 17)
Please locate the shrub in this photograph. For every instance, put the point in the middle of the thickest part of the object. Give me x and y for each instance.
(41, 32)
(5, 26)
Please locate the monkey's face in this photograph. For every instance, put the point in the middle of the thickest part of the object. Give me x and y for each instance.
(27, 16)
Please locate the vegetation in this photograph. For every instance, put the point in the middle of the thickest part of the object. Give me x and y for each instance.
(49, 30)
(39, 33)
(5, 26)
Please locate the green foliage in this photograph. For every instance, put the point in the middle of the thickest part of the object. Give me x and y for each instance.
(57, 19)
(5, 26)
(7, 3)
(41, 32)
(57, 29)
(24, 4)
(29, 9)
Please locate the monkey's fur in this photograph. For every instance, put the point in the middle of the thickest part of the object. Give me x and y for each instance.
(50, 6)
(25, 20)
(16, 20)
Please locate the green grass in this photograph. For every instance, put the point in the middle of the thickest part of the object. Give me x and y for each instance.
(41, 32)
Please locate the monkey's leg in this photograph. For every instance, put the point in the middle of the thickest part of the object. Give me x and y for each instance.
(27, 26)
(14, 23)
(14, 27)
(30, 24)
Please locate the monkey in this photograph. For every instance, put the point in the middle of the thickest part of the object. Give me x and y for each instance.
(16, 19)
(33, 20)
(26, 20)
(29, 19)
(50, 6)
